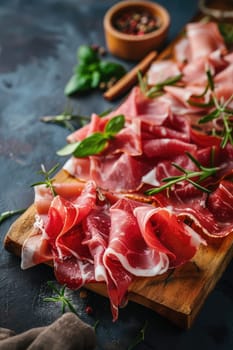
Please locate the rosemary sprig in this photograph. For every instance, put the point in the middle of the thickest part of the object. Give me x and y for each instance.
(7, 214)
(188, 175)
(158, 88)
(96, 142)
(48, 181)
(96, 324)
(60, 298)
(209, 86)
(65, 119)
(140, 337)
(226, 29)
(142, 83)
(222, 112)
(69, 120)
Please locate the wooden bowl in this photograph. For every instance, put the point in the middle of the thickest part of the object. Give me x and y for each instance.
(129, 46)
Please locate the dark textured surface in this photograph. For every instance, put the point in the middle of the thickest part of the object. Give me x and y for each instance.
(38, 42)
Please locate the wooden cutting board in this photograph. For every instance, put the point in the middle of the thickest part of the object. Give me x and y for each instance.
(177, 295)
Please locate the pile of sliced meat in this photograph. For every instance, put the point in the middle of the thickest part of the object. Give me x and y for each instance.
(104, 228)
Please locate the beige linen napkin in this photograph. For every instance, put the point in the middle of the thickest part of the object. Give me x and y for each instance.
(66, 333)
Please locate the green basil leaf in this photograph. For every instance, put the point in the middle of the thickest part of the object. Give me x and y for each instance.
(93, 144)
(95, 79)
(85, 69)
(86, 55)
(68, 149)
(114, 125)
(71, 86)
(78, 83)
(111, 70)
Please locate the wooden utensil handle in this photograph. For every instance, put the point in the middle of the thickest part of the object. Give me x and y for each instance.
(128, 80)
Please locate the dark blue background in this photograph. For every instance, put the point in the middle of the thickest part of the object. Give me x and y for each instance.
(38, 42)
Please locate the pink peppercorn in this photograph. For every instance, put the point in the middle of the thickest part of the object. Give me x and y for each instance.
(134, 22)
(89, 310)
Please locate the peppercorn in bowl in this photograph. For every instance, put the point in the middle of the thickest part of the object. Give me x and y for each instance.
(134, 28)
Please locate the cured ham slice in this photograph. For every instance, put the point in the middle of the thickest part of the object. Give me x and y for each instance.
(45, 240)
(183, 95)
(128, 254)
(201, 211)
(127, 244)
(161, 71)
(204, 38)
(166, 148)
(96, 124)
(220, 202)
(160, 227)
(182, 51)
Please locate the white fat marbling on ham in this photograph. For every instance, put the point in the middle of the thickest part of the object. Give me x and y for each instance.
(157, 269)
(150, 178)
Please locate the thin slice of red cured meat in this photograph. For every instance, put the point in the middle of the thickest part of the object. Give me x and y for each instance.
(166, 148)
(204, 38)
(97, 228)
(118, 173)
(127, 253)
(45, 241)
(87, 243)
(137, 105)
(160, 227)
(173, 126)
(73, 272)
(160, 71)
(220, 202)
(195, 209)
(96, 124)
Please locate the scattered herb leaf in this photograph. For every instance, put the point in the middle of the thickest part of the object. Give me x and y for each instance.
(140, 337)
(95, 143)
(201, 175)
(96, 324)
(142, 83)
(60, 298)
(7, 214)
(48, 181)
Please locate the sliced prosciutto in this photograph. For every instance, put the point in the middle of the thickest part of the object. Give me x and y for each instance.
(204, 38)
(161, 71)
(160, 227)
(103, 227)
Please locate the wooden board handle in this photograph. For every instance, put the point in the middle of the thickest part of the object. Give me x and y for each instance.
(128, 80)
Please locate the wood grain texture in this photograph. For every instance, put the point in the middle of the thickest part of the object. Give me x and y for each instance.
(177, 295)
